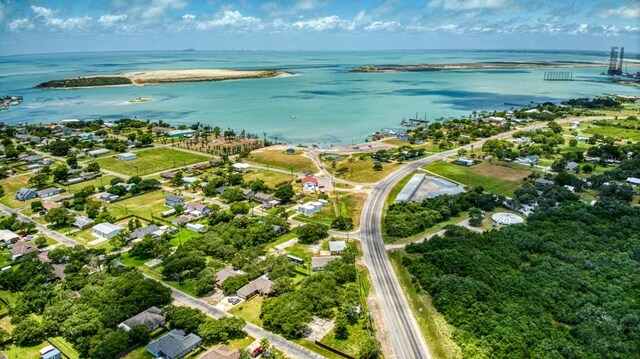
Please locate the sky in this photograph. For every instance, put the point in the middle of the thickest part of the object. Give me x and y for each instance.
(51, 26)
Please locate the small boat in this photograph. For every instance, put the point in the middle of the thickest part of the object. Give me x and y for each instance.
(293, 116)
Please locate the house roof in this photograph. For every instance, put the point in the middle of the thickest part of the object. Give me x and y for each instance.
(241, 166)
(151, 318)
(47, 191)
(260, 284)
(309, 179)
(174, 343)
(321, 262)
(337, 246)
(23, 192)
(262, 196)
(49, 205)
(81, 221)
(168, 174)
(7, 235)
(22, 247)
(106, 227)
(142, 232)
(221, 352)
(182, 219)
(226, 273)
(197, 206)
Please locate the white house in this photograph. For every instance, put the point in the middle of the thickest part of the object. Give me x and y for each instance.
(241, 167)
(196, 227)
(337, 247)
(8, 236)
(127, 156)
(98, 152)
(633, 181)
(106, 230)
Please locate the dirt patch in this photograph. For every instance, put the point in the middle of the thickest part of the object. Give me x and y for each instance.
(503, 172)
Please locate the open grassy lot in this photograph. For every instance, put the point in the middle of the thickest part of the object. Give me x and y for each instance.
(349, 205)
(138, 353)
(249, 310)
(144, 205)
(11, 185)
(493, 178)
(360, 169)
(270, 178)
(357, 338)
(65, 347)
(241, 344)
(435, 329)
(151, 161)
(613, 131)
(282, 160)
(96, 182)
(32, 352)
(431, 231)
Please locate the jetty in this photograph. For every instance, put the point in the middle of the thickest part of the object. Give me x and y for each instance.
(6, 101)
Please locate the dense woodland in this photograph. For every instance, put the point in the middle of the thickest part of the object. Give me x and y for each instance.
(564, 285)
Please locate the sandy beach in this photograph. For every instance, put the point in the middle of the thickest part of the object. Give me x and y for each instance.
(494, 65)
(154, 77)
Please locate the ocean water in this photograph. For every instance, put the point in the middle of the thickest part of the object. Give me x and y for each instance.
(330, 104)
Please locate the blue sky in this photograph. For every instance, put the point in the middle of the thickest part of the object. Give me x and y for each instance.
(101, 25)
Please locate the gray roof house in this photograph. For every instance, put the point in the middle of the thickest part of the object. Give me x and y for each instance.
(172, 201)
(151, 229)
(544, 182)
(83, 222)
(174, 345)
(49, 192)
(106, 196)
(336, 247)
(32, 159)
(25, 194)
(261, 285)
(262, 197)
(571, 166)
(318, 263)
(150, 318)
(226, 273)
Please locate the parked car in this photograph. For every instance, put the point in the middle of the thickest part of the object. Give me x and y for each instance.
(256, 352)
(233, 300)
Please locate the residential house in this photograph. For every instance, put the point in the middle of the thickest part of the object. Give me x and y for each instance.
(262, 197)
(25, 194)
(528, 161)
(241, 167)
(571, 166)
(150, 318)
(337, 247)
(247, 192)
(8, 236)
(152, 230)
(21, 248)
(174, 345)
(463, 161)
(261, 285)
(172, 201)
(128, 156)
(182, 220)
(180, 133)
(83, 222)
(226, 273)
(106, 230)
(270, 204)
(197, 209)
(168, 175)
(196, 227)
(215, 162)
(403, 137)
(50, 352)
(32, 159)
(168, 213)
(126, 186)
(318, 263)
(309, 183)
(108, 197)
(49, 192)
(221, 351)
(189, 180)
(496, 120)
(544, 182)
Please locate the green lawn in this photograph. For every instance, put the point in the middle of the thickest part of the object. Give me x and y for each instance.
(437, 332)
(271, 178)
(96, 182)
(151, 161)
(65, 347)
(357, 337)
(242, 343)
(5, 258)
(33, 352)
(249, 310)
(11, 185)
(613, 132)
(144, 205)
(361, 170)
(139, 353)
(282, 160)
(493, 178)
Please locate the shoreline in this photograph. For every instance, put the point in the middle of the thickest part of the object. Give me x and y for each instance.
(493, 65)
(159, 77)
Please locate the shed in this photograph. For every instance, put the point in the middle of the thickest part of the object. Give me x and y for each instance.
(49, 192)
(98, 152)
(127, 156)
(50, 352)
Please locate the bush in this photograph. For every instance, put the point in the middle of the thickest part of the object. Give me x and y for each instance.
(311, 233)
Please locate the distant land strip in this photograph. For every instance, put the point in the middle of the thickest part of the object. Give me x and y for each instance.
(493, 65)
(140, 78)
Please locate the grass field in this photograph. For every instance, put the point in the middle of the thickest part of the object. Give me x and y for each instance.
(361, 170)
(429, 232)
(615, 132)
(249, 310)
(270, 178)
(357, 337)
(151, 161)
(349, 204)
(282, 160)
(65, 347)
(437, 332)
(33, 352)
(96, 182)
(139, 353)
(242, 343)
(143, 205)
(493, 178)
(11, 185)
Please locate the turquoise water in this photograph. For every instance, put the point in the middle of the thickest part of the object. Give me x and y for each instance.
(330, 104)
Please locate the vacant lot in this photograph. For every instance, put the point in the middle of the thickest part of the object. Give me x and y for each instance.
(357, 168)
(282, 160)
(96, 182)
(617, 133)
(249, 310)
(270, 178)
(144, 205)
(493, 178)
(151, 161)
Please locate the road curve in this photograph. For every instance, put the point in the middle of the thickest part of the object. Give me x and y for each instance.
(404, 334)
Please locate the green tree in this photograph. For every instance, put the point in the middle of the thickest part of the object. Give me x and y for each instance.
(1, 191)
(232, 284)
(206, 281)
(40, 242)
(342, 223)
(60, 172)
(36, 206)
(92, 207)
(146, 139)
(239, 208)
(370, 349)
(311, 233)
(39, 180)
(28, 332)
(377, 166)
(72, 161)
(58, 216)
(232, 194)
(573, 142)
(341, 331)
(93, 167)
(284, 193)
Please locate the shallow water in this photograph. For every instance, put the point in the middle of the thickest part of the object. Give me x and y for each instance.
(330, 104)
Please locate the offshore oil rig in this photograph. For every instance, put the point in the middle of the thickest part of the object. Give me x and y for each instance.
(616, 61)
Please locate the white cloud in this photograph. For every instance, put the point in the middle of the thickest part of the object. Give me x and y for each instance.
(630, 11)
(467, 4)
(46, 15)
(320, 24)
(188, 17)
(383, 25)
(230, 19)
(20, 24)
(110, 20)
